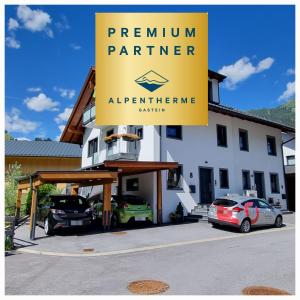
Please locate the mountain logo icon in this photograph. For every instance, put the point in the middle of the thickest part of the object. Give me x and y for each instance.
(151, 81)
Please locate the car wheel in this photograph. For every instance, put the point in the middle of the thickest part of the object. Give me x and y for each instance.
(245, 226)
(114, 221)
(278, 222)
(48, 227)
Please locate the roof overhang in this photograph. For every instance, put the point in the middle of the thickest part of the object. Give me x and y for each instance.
(245, 116)
(215, 75)
(73, 132)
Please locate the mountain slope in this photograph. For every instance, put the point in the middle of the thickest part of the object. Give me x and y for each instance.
(284, 113)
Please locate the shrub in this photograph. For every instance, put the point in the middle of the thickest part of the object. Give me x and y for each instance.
(43, 190)
(9, 244)
(11, 176)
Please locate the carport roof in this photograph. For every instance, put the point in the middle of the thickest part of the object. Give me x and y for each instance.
(106, 172)
(126, 167)
(84, 177)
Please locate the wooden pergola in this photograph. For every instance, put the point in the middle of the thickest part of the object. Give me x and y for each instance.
(105, 174)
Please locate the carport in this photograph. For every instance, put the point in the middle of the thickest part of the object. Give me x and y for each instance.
(106, 173)
(127, 168)
(80, 178)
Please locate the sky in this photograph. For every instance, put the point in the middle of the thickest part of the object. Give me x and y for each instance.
(49, 50)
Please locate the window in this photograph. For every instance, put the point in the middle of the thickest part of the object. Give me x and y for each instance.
(175, 178)
(140, 132)
(243, 136)
(132, 184)
(224, 182)
(174, 132)
(222, 136)
(274, 183)
(110, 145)
(246, 180)
(93, 147)
(210, 91)
(262, 204)
(109, 132)
(290, 160)
(271, 144)
(224, 202)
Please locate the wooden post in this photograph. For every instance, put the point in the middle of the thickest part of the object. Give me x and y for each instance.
(159, 197)
(74, 190)
(18, 204)
(106, 208)
(33, 212)
(120, 183)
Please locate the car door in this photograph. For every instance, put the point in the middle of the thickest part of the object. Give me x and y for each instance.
(265, 212)
(252, 211)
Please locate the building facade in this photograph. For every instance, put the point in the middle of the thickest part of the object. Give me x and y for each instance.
(289, 156)
(42, 155)
(234, 153)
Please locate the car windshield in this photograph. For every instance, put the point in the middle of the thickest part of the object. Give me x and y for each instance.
(133, 200)
(224, 202)
(69, 202)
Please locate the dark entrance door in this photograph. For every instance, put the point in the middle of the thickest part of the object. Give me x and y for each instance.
(260, 184)
(206, 179)
(291, 189)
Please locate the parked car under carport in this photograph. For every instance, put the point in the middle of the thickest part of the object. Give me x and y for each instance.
(125, 209)
(63, 211)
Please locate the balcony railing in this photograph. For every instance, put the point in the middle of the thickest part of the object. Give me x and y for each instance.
(89, 114)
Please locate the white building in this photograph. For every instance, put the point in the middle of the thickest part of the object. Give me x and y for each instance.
(289, 156)
(235, 152)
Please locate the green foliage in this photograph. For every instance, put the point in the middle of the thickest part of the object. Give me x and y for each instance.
(9, 244)
(284, 114)
(8, 137)
(11, 176)
(46, 189)
(39, 139)
(28, 202)
(43, 190)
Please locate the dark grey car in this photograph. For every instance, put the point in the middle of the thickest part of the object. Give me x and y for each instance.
(61, 211)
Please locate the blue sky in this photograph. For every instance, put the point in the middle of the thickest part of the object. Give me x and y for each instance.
(49, 50)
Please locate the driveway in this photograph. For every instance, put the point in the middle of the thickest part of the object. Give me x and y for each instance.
(192, 258)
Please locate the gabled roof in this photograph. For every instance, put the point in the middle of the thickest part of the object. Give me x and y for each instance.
(42, 149)
(225, 110)
(73, 132)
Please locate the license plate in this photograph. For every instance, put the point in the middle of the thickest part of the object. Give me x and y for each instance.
(140, 218)
(76, 222)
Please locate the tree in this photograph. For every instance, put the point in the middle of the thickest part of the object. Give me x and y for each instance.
(39, 139)
(8, 137)
(11, 182)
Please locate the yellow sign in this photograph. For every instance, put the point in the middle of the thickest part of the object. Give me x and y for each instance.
(151, 68)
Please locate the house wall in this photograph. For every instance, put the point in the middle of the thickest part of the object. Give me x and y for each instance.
(30, 165)
(198, 147)
(146, 149)
(288, 148)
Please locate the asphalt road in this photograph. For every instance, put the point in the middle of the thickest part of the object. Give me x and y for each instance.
(209, 267)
